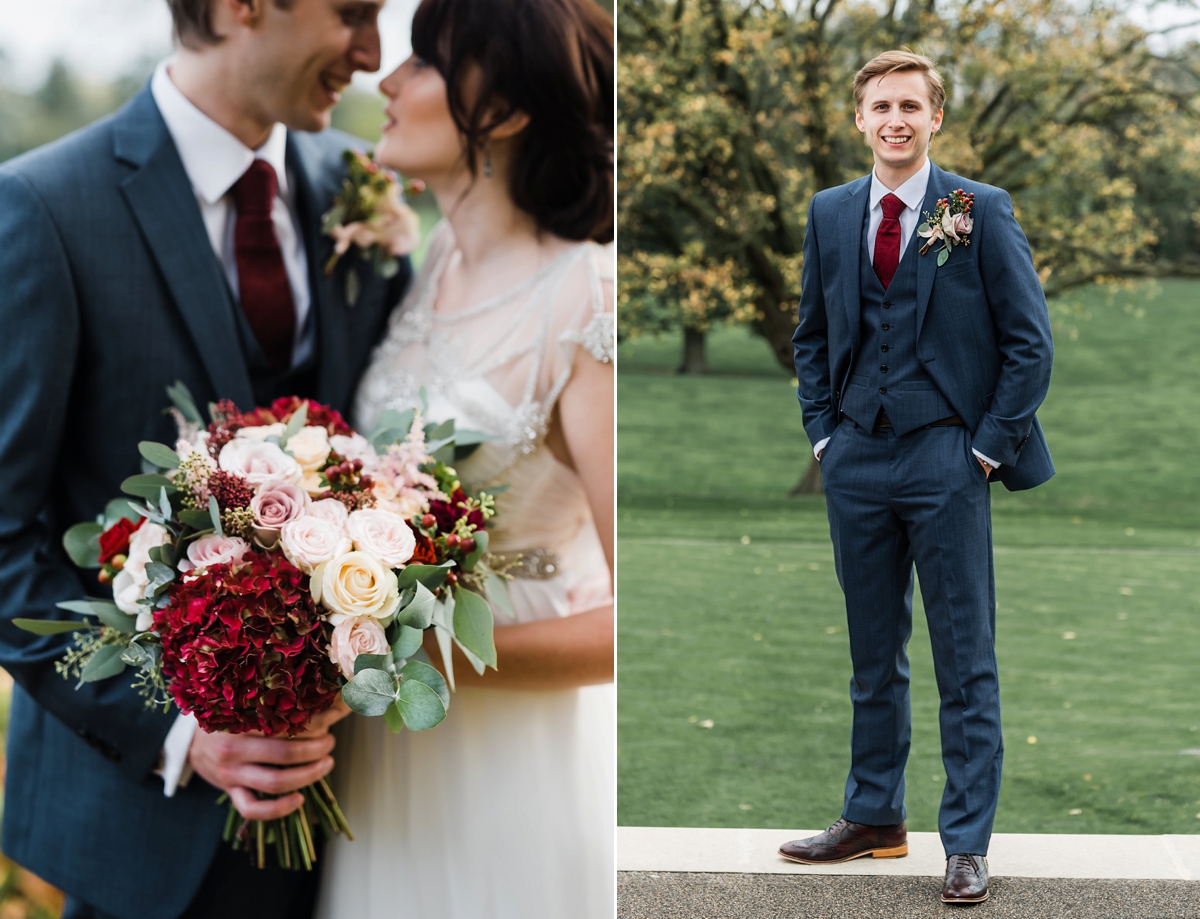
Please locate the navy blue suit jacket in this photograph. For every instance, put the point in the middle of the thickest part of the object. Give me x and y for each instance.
(983, 330)
(109, 292)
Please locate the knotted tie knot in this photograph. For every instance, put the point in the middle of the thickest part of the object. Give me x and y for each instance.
(254, 192)
(892, 206)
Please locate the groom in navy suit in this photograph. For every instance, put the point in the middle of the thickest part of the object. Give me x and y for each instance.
(919, 378)
(177, 240)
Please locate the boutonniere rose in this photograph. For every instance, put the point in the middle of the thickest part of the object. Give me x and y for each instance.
(950, 222)
(370, 214)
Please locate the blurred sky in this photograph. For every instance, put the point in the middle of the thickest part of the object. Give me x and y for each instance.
(103, 39)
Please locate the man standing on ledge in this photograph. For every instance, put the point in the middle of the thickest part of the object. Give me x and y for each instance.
(922, 354)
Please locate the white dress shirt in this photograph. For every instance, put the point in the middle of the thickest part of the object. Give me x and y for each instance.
(214, 160)
(912, 193)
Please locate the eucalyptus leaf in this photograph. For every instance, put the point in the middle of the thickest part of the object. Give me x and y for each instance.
(147, 486)
(420, 707)
(443, 620)
(82, 543)
(214, 514)
(164, 504)
(160, 455)
(181, 398)
(943, 256)
(419, 613)
(476, 663)
(136, 656)
(197, 520)
(118, 508)
(473, 625)
(392, 426)
(51, 626)
(432, 576)
(496, 590)
(104, 610)
(370, 692)
(295, 425)
(393, 719)
(466, 437)
(371, 662)
(481, 544)
(443, 431)
(407, 642)
(924, 227)
(423, 673)
(104, 663)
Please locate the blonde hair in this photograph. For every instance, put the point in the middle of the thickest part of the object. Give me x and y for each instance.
(900, 62)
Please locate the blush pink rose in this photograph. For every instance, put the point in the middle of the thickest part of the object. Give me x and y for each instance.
(383, 534)
(214, 550)
(962, 224)
(277, 503)
(330, 509)
(355, 636)
(309, 541)
(258, 462)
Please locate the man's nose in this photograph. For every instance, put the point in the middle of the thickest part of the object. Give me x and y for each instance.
(365, 52)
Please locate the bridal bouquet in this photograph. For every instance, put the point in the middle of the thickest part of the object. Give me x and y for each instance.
(277, 557)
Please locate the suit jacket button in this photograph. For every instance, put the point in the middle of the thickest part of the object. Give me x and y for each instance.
(882, 389)
(883, 368)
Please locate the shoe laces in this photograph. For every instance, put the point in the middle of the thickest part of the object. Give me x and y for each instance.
(957, 862)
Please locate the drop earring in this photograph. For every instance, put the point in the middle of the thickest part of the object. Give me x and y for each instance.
(487, 160)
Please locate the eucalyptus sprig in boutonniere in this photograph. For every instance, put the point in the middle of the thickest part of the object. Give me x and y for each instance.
(950, 222)
(370, 214)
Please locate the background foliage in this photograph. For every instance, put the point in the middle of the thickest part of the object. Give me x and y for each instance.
(733, 114)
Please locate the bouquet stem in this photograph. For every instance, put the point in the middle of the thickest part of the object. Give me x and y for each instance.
(292, 836)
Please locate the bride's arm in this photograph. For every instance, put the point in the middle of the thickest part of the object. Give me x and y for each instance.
(574, 650)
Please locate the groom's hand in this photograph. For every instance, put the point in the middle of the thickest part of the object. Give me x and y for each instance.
(242, 764)
(987, 468)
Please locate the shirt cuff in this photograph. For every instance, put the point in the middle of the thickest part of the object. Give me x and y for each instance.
(820, 445)
(176, 769)
(987, 459)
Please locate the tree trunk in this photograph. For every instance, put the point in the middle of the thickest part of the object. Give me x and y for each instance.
(694, 359)
(810, 484)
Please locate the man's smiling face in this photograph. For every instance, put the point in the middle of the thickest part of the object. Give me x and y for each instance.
(898, 120)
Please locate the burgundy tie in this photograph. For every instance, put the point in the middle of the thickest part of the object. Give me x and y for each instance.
(262, 279)
(887, 239)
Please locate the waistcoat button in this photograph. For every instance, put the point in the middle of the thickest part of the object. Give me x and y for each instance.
(882, 389)
(883, 368)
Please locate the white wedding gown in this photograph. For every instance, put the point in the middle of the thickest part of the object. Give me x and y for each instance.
(507, 809)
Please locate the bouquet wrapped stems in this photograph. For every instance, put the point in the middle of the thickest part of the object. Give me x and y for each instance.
(290, 836)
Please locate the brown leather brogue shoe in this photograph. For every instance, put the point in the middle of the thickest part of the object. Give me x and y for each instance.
(966, 879)
(845, 840)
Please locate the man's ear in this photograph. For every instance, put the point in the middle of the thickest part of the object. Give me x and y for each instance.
(511, 126)
(859, 123)
(937, 121)
(230, 14)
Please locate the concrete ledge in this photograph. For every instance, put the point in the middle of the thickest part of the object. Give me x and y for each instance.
(1012, 855)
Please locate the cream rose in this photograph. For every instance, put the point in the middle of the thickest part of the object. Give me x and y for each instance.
(309, 447)
(277, 504)
(383, 534)
(214, 550)
(355, 636)
(259, 462)
(355, 584)
(309, 541)
(948, 224)
(131, 581)
(330, 509)
(262, 431)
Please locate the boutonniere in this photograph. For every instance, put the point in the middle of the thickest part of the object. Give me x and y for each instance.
(950, 222)
(370, 214)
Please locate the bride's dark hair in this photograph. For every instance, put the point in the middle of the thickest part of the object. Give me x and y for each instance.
(552, 60)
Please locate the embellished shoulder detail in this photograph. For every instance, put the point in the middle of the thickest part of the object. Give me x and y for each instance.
(598, 337)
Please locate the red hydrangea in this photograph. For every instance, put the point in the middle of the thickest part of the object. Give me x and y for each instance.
(318, 415)
(244, 648)
(449, 512)
(115, 540)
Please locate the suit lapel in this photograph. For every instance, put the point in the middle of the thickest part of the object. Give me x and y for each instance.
(938, 187)
(164, 205)
(850, 233)
(315, 191)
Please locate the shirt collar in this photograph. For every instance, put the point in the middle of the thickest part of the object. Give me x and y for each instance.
(912, 192)
(212, 157)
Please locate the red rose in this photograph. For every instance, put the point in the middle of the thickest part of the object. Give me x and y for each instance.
(245, 648)
(318, 415)
(115, 540)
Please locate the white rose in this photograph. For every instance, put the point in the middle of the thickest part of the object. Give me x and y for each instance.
(261, 432)
(214, 550)
(353, 447)
(310, 447)
(131, 581)
(355, 636)
(355, 584)
(311, 540)
(383, 534)
(330, 509)
(259, 462)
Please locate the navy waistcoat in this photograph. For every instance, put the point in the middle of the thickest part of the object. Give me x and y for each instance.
(887, 373)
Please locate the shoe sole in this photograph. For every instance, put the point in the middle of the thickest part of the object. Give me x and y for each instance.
(893, 852)
(967, 900)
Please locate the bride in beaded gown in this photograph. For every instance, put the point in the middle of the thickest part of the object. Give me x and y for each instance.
(507, 809)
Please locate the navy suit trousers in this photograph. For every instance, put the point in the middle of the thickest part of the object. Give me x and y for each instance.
(894, 501)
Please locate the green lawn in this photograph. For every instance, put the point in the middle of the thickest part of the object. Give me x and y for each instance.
(734, 665)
